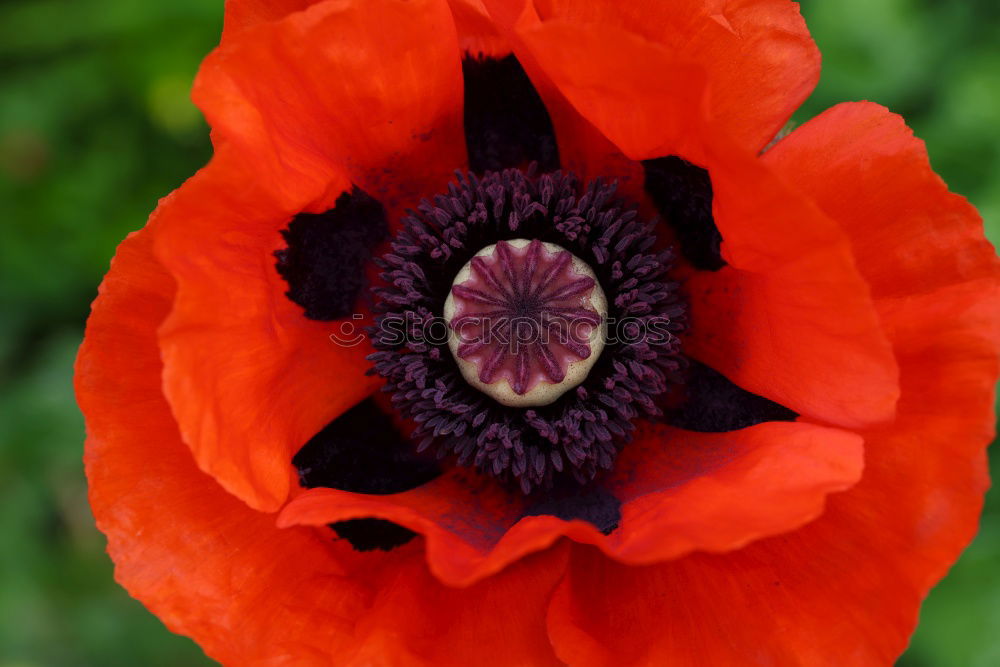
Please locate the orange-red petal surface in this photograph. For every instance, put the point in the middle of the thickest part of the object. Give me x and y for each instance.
(415, 620)
(681, 492)
(684, 491)
(470, 16)
(246, 591)
(845, 588)
(756, 60)
(242, 14)
(477, 36)
(866, 170)
(640, 96)
(204, 562)
(583, 149)
(461, 515)
(790, 317)
(301, 107)
(249, 378)
(355, 85)
(759, 60)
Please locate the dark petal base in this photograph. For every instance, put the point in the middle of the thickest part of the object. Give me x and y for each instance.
(506, 123)
(372, 534)
(582, 432)
(327, 252)
(682, 194)
(361, 452)
(711, 403)
(595, 505)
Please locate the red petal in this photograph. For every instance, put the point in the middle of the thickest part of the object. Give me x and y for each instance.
(354, 83)
(639, 74)
(249, 378)
(461, 515)
(477, 36)
(582, 147)
(415, 620)
(759, 60)
(848, 585)
(684, 491)
(699, 491)
(242, 14)
(200, 559)
(213, 569)
(300, 107)
(634, 91)
(867, 171)
(790, 318)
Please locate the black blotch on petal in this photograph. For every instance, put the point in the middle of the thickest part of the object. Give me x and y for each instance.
(595, 505)
(362, 452)
(714, 404)
(323, 263)
(506, 123)
(372, 534)
(682, 194)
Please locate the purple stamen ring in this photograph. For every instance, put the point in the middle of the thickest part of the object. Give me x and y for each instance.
(527, 321)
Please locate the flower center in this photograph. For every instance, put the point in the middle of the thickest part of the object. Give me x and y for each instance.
(526, 321)
(582, 338)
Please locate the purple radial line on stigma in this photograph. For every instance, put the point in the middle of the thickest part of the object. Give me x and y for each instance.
(530, 264)
(514, 312)
(484, 272)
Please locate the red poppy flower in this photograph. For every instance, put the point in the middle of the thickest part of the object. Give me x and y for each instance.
(779, 478)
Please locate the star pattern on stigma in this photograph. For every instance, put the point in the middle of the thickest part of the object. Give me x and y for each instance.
(526, 317)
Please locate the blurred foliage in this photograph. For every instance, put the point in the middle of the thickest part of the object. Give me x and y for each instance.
(95, 126)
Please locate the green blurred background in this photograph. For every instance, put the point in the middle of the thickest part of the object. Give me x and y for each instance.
(96, 125)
